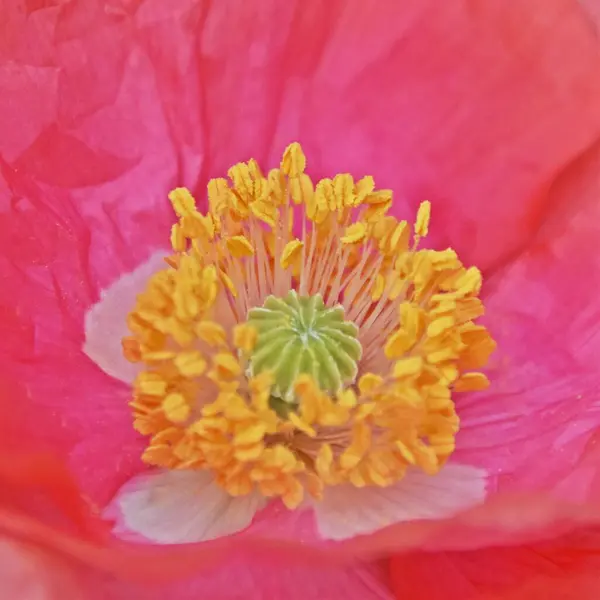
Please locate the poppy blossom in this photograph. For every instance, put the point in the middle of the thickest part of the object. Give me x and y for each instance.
(479, 109)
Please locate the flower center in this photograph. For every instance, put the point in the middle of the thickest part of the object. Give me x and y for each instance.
(301, 335)
(286, 363)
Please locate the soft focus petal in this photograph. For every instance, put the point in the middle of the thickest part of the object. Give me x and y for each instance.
(593, 9)
(347, 511)
(27, 574)
(39, 503)
(560, 569)
(175, 507)
(105, 322)
(247, 577)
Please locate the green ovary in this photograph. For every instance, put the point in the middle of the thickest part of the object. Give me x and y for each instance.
(299, 334)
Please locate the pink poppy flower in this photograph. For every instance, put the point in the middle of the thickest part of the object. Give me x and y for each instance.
(490, 112)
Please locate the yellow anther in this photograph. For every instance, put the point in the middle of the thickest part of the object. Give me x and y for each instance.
(219, 195)
(470, 282)
(346, 398)
(398, 343)
(294, 161)
(378, 198)
(250, 435)
(378, 203)
(362, 189)
(378, 288)
(406, 453)
(423, 215)
(235, 408)
(239, 246)
(361, 440)
(244, 337)
(226, 365)
(264, 210)
(178, 240)
(176, 408)
(190, 364)
(324, 461)
(228, 283)
(355, 233)
(293, 495)
(249, 453)
(281, 458)
(408, 367)
(440, 326)
(276, 185)
(183, 202)
(439, 356)
(343, 187)
(369, 382)
(212, 333)
(302, 189)
(471, 382)
(261, 382)
(291, 253)
(398, 240)
(151, 385)
(301, 425)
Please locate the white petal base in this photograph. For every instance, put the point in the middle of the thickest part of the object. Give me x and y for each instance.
(105, 322)
(347, 511)
(178, 507)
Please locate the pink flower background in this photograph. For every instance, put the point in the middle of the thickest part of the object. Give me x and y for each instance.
(490, 112)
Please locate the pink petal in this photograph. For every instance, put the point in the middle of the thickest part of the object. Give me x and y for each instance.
(535, 425)
(346, 511)
(66, 401)
(474, 105)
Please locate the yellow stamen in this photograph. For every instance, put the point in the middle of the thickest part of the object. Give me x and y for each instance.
(422, 224)
(239, 246)
(208, 398)
(290, 253)
(176, 408)
(356, 232)
(244, 338)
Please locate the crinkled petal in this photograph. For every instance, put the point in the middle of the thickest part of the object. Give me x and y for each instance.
(347, 511)
(61, 397)
(475, 105)
(176, 507)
